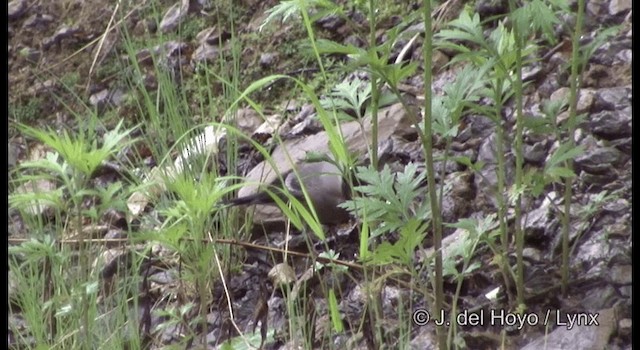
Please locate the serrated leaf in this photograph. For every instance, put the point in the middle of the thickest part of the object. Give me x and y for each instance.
(331, 47)
(560, 172)
(562, 154)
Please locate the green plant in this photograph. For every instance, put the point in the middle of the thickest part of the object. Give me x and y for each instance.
(67, 291)
(70, 80)
(579, 59)
(387, 201)
(499, 57)
(374, 60)
(75, 159)
(27, 112)
(475, 232)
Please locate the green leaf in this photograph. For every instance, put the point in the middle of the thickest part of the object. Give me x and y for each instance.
(539, 125)
(472, 267)
(411, 236)
(284, 10)
(601, 37)
(387, 199)
(560, 172)
(334, 312)
(348, 95)
(325, 46)
(562, 154)
(544, 19)
(464, 28)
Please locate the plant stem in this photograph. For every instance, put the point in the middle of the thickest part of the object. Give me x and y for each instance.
(576, 61)
(517, 88)
(427, 52)
(374, 87)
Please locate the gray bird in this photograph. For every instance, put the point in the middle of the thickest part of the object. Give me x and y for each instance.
(324, 184)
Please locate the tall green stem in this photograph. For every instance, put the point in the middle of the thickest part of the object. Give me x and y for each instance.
(517, 88)
(427, 52)
(573, 101)
(374, 87)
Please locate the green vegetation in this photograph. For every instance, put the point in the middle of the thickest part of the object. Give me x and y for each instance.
(62, 290)
(28, 112)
